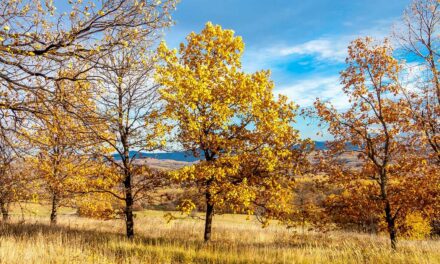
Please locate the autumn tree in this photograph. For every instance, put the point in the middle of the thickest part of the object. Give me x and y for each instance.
(308, 208)
(16, 178)
(8, 180)
(17, 183)
(129, 104)
(250, 152)
(373, 126)
(65, 148)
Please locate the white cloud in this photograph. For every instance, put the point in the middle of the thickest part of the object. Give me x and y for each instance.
(322, 48)
(413, 76)
(326, 50)
(321, 57)
(305, 92)
(331, 48)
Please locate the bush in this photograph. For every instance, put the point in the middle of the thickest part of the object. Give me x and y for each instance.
(416, 227)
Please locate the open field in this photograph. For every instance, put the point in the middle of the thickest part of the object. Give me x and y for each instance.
(29, 239)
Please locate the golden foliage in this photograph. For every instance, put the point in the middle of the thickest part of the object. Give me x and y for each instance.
(232, 119)
(98, 205)
(416, 226)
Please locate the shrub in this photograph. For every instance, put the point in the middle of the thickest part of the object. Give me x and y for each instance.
(416, 227)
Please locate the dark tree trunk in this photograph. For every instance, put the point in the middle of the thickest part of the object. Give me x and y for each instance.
(129, 222)
(124, 135)
(5, 211)
(389, 218)
(53, 214)
(209, 216)
(391, 226)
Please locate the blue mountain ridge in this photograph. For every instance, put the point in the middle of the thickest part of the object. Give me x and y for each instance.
(184, 155)
(173, 155)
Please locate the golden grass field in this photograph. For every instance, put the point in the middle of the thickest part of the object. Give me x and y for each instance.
(29, 239)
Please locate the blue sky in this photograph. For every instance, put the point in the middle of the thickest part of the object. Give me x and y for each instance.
(302, 42)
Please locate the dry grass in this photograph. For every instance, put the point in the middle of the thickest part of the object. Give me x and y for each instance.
(235, 240)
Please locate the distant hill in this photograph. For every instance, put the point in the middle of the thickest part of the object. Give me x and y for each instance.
(184, 156)
(175, 155)
(320, 145)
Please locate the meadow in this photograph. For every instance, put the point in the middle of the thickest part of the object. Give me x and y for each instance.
(29, 238)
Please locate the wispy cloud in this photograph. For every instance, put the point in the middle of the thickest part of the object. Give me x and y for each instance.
(322, 48)
(323, 58)
(305, 92)
(331, 48)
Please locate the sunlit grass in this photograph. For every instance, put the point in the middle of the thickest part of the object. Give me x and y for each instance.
(235, 240)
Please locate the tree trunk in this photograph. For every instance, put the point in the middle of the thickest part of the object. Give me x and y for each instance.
(208, 219)
(129, 222)
(53, 214)
(391, 226)
(389, 218)
(5, 211)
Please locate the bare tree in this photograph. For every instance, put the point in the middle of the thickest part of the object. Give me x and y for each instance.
(128, 102)
(37, 41)
(419, 36)
(15, 177)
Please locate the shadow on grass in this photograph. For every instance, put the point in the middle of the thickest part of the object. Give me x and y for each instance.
(32, 230)
(177, 249)
(87, 236)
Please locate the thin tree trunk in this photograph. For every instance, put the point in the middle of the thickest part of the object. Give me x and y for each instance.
(53, 214)
(5, 211)
(129, 222)
(208, 218)
(123, 131)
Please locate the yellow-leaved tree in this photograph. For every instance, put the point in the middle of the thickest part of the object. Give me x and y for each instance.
(64, 146)
(250, 151)
(15, 176)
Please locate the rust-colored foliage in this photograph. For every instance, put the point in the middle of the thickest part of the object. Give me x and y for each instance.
(391, 181)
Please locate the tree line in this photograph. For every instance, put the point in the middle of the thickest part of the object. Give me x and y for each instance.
(78, 86)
